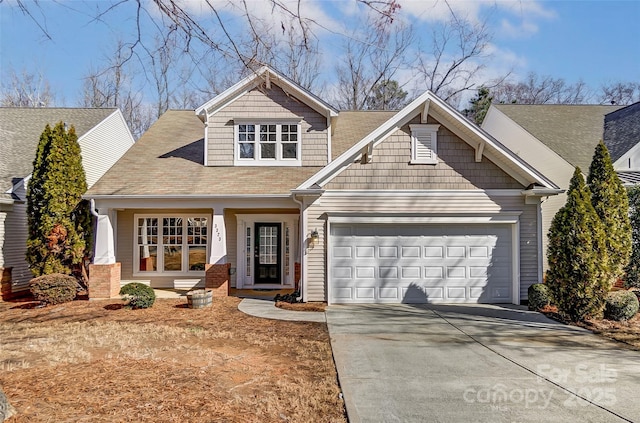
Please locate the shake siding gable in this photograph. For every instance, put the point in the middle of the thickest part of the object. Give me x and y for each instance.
(390, 168)
(261, 103)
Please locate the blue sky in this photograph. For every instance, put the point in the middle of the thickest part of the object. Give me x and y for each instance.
(596, 41)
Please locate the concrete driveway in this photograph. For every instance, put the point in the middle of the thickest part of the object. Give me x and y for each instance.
(477, 363)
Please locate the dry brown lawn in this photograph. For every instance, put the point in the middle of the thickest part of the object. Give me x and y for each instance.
(94, 361)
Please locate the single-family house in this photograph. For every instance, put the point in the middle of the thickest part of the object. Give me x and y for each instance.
(103, 136)
(557, 138)
(267, 186)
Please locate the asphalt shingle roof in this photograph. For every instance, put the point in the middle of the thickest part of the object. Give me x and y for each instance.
(622, 130)
(168, 160)
(572, 131)
(351, 126)
(20, 130)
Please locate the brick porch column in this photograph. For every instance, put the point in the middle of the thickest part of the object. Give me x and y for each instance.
(217, 278)
(5, 283)
(104, 281)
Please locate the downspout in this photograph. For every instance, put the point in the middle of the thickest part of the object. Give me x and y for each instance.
(302, 247)
(92, 207)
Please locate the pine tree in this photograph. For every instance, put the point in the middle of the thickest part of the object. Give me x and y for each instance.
(479, 105)
(60, 232)
(577, 255)
(610, 201)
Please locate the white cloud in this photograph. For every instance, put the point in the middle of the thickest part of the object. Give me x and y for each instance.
(524, 29)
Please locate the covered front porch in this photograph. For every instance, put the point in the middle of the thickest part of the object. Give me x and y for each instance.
(230, 246)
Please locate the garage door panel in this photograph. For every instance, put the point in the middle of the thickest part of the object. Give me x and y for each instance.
(420, 263)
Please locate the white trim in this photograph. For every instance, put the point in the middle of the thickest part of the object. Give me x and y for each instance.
(206, 142)
(622, 164)
(504, 217)
(256, 160)
(540, 242)
(249, 220)
(327, 240)
(425, 193)
(136, 273)
(515, 262)
(329, 129)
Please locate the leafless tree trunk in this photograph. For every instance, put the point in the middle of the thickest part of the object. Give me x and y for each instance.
(371, 56)
(26, 90)
(456, 55)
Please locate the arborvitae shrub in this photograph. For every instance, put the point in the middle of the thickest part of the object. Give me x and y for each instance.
(55, 288)
(611, 203)
(138, 295)
(539, 296)
(578, 274)
(621, 305)
(632, 272)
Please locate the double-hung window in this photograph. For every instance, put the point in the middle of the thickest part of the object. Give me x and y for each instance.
(171, 243)
(267, 143)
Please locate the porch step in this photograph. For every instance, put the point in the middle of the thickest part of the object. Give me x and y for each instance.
(188, 283)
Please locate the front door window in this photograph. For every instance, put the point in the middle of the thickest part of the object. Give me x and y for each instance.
(267, 253)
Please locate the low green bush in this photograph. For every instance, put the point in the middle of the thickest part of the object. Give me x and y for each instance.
(55, 288)
(138, 295)
(621, 305)
(539, 296)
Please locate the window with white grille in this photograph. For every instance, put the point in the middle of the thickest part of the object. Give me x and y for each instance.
(424, 144)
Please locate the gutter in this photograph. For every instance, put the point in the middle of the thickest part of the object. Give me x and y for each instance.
(182, 197)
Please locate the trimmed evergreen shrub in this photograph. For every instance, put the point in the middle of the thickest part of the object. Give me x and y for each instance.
(621, 305)
(138, 295)
(539, 296)
(611, 203)
(55, 288)
(578, 264)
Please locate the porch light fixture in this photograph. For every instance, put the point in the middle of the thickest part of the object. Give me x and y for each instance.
(314, 236)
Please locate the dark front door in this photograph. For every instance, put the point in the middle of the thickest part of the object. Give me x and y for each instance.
(267, 253)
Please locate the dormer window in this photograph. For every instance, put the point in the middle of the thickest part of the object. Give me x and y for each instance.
(264, 143)
(424, 144)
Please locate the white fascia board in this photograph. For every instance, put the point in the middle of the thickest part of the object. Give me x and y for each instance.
(379, 133)
(106, 202)
(230, 92)
(541, 192)
(184, 197)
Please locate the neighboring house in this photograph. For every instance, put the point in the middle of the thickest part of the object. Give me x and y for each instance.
(103, 136)
(622, 138)
(557, 138)
(268, 187)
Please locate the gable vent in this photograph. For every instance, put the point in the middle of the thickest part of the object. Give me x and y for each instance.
(424, 144)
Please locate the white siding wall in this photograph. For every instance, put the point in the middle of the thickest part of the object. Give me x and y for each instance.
(14, 246)
(538, 155)
(104, 145)
(380, 203)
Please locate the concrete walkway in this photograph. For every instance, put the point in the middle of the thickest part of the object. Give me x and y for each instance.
(268, 310)
(402, 363)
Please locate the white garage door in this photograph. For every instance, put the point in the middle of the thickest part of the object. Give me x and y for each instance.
(420, 263)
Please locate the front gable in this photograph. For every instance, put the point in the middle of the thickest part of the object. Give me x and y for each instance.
(266, 120)
(392, 166)
(466, 156)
